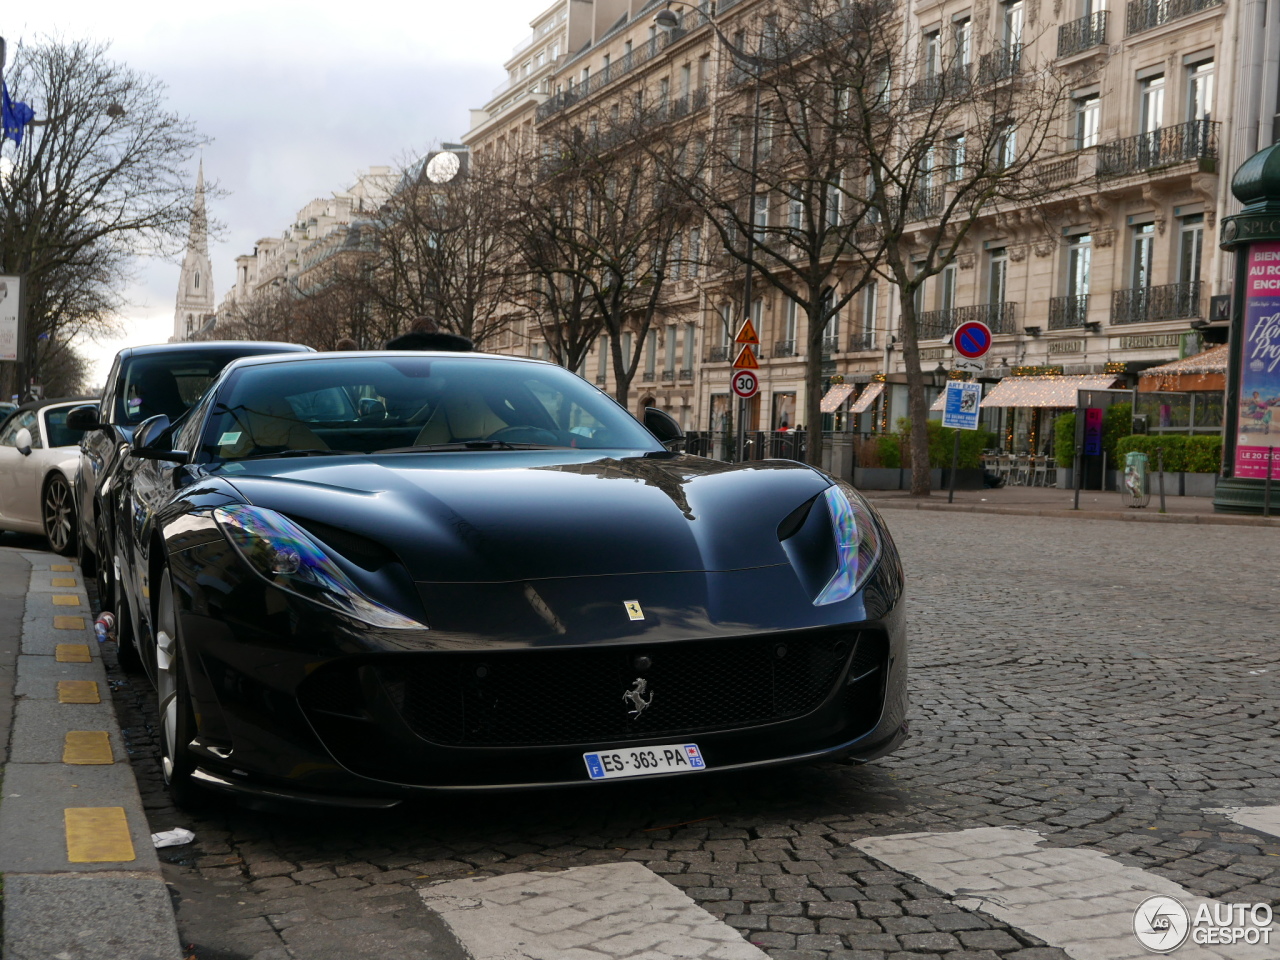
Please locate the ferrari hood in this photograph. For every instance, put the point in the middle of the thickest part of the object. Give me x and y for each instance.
(504, 516)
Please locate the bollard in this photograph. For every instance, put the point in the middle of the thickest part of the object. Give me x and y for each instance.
(1160, 467)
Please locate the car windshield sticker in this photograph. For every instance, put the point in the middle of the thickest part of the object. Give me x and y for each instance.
(633, 609)
(228, 438)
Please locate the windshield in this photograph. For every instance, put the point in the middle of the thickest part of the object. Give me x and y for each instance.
(60, 435)
(394, 403)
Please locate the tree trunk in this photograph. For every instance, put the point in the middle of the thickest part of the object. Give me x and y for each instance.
(813, 387)
(917, 409)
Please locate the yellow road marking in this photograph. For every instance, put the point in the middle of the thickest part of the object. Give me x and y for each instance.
(98, 835)
(61, 568)
(62, 582)
(65, 600)
(87, 746)
(72, 653)
(68, 623)
(78, 691)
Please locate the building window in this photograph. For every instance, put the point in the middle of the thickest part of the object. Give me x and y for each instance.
(931, 50)
(917, 268)
(832, 315)
(791, 324)
(997, 275)
(1142, 252)
(669, 361)
(677, 256)
(962, 41)
(651, 355)
(947, 286)
(704, 71)
(1079, 254)
(1200, 91)
(602, 362)
(726, 325)
(1088, 121)
(955, 158)
(1190, 248)
(197, 279)
(835, 196)
(1151, 104)
(870, 306)
(1013, 21)
(685, 80)
(760, 217)
(795, 214)
(695, 251)
(1007, 145)
(689, 329)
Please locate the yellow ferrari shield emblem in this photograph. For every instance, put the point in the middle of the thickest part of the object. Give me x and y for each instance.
(633, 609)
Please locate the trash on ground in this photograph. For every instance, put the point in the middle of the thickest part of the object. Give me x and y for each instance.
(177, 837)
(104, 628)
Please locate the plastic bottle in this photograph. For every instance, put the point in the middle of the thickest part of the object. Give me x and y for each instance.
(104, 628)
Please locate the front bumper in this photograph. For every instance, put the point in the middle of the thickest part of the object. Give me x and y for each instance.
(294, 702)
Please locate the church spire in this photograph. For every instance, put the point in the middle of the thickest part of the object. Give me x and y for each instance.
(198, 240)
(195, 306)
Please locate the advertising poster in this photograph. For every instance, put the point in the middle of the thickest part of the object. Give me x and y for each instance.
(9, 317)
(1259, 400)
(961, 406)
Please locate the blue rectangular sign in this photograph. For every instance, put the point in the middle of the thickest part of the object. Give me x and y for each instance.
(960, 409)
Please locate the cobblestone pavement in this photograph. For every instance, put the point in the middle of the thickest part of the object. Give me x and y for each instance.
(1108, 686)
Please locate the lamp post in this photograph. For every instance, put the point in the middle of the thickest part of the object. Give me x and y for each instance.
(665, 19)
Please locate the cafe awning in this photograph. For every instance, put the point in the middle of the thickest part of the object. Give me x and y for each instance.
(868, 397)
(1205, 371)
(837, 395)
(1043, 391)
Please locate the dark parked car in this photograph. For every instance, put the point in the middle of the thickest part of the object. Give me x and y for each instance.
(361, 576)
(164, 378)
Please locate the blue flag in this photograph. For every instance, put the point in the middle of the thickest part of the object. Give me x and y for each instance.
(14, 116)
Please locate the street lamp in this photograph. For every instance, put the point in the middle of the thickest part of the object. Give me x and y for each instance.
(666, 19)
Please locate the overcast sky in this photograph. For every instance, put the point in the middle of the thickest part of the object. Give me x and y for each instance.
(297, 97)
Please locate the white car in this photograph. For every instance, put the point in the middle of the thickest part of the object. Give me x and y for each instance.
(39, 457)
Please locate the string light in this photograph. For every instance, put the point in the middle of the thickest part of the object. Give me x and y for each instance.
(1043, 371)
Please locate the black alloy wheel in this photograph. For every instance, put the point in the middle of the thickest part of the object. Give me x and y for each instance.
(177, 718)
(58, 512)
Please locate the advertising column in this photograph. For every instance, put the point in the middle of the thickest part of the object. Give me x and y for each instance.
(1258, 395)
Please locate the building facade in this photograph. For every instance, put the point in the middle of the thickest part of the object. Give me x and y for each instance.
(1114, 275)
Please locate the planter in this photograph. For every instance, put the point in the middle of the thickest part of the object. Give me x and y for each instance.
(967, 478)
(880, 478)
(1199, 484)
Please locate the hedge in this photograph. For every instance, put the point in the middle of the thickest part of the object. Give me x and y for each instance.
(1117, 421)
(1182, 453)
(941, 440)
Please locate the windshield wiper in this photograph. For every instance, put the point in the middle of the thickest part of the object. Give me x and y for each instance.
(302, 453)
(469, 445)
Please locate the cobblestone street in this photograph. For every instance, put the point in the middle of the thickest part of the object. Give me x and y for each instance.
(1111, 687)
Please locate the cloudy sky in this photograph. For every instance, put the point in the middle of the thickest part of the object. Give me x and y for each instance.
(297, 97)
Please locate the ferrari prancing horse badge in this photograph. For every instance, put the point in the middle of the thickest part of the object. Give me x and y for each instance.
(633, 609)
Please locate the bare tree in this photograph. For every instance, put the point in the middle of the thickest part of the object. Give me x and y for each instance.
(439, 249)
(101, 180)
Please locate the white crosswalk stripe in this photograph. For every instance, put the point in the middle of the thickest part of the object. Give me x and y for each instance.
(1264, 819)
(1079, 900)
(605, 912)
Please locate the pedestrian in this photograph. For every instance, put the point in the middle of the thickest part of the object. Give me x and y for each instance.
(425, 335)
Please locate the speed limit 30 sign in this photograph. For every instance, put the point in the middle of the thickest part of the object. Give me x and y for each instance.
(745, 384)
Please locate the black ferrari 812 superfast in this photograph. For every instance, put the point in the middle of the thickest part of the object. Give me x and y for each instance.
(357, 577)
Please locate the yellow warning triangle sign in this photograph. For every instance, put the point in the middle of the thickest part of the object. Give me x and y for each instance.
(746, 359)
(747, 334)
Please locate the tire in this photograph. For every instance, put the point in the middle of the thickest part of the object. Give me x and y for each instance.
(127, 654)
(104, 575)
(173, 700)
(57, 510)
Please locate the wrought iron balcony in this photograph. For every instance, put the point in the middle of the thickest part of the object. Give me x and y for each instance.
(1083, 34)
(1145, 14)
(718, 354)
(939, 324)
(686, 373)
(784, 348)
(668, 376)
(830, 345)
(1003, 62)
(862, 340)
(925, 204)
(1193, 140)
(1173, 301)
(648, 376)
(952, 82)
(1067, 312)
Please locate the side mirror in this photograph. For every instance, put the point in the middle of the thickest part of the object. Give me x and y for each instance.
(22, 440)
(150, 442)
(83, 418)
(662, 425)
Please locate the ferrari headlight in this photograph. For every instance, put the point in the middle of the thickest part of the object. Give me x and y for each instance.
(857, 543)
(283, 554)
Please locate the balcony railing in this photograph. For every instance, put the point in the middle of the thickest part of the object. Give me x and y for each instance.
(784, 348)
(1193, 140)
(951, 82)
(830, 345)
(648, 376)
(1145, 14)
(1067, 312)
(939, 324)
(686, 373)
(925, 204)
(862, 340)
(1080, 35)
(1003, 62)
(1173, 301)
(668, 376)
(718, 354)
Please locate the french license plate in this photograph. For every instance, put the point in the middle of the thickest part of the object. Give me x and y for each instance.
(642, 761)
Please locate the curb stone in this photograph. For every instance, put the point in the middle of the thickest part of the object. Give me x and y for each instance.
(102, 910)
(1224, 520)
